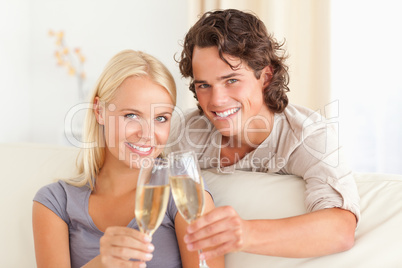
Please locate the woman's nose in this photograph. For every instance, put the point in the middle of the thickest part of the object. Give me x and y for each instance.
(145, 131)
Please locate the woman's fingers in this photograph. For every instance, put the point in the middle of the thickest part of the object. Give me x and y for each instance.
(120, 245)
(127, 253)
(108, 261)
(125, 231)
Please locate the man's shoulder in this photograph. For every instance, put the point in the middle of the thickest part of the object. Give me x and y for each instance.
(302, 120)
(301, 113)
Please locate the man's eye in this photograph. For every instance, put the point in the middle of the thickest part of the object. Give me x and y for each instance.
(131, 116)
(161, 119)
(231, 81)
(203, 86)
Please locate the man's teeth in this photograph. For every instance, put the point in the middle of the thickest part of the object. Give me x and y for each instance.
(141, 149)
(228, 112)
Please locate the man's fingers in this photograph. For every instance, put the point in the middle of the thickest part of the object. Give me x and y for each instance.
(225, 225)
(219, 251)
(213, 216)
(212, 241)
(217, 233)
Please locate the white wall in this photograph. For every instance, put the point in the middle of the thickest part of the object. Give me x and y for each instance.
(36, 93)
(366, 78)
(15, 79)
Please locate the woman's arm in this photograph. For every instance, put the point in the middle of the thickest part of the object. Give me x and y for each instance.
(117, 245)
(190, 258)
(51, 238)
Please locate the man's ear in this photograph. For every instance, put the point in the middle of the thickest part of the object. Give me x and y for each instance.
(99, 111)
(266, 75)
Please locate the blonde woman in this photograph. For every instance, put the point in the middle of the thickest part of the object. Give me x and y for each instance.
(89, 220)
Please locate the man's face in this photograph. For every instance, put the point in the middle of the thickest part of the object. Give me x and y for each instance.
(231, 99)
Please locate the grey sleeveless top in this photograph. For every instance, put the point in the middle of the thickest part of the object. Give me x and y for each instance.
(70, 203)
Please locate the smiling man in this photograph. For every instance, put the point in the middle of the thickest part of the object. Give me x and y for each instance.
(244, 122)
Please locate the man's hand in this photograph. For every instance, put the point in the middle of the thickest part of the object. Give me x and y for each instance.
(220, 231)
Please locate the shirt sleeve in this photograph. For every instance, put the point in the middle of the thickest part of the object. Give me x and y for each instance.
(329, 181)
(54, 197)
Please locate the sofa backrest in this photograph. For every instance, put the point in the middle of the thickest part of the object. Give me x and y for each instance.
(24, 168)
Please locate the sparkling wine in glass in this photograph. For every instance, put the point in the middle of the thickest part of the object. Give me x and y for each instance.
(152, 195)
(187, 187)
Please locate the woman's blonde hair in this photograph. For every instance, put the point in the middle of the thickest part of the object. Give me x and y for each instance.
(125, 64)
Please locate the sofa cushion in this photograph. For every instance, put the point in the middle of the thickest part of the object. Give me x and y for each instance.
(261, 195)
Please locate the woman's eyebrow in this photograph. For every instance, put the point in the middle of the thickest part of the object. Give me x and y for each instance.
(130, 110)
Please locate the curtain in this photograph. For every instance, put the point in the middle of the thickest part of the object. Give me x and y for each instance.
(304, 25)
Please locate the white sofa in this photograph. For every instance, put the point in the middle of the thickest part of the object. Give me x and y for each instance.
(26, 167)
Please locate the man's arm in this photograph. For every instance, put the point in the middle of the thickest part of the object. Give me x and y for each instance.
(317, 233)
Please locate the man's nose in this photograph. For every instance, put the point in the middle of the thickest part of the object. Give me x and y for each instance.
(219, 96)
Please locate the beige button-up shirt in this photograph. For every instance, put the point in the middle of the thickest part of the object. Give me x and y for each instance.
(302, 143)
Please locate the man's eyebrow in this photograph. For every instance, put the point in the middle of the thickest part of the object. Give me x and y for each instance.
(229, 76)
(219, 78)
(200, 82)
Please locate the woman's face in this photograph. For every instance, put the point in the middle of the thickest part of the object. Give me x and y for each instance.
(136, 122)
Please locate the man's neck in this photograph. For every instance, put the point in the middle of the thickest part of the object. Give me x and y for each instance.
(234, 148)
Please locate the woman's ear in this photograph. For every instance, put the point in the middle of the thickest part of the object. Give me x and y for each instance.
(99, 111)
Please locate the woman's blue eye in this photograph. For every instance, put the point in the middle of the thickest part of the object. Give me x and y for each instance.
(132, 116)
(161, 119)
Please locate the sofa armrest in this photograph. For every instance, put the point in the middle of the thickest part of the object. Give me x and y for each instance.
(270, 196)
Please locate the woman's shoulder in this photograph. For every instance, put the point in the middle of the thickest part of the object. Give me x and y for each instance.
(61, 188)
(54, 189)
(58, 195)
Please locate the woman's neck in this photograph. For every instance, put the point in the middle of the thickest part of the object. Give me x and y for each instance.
(116, 178)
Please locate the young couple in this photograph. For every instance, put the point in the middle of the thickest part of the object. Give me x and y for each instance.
(244, 121)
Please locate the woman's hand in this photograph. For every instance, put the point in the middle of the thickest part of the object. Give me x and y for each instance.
(221, 229)
(120, 244)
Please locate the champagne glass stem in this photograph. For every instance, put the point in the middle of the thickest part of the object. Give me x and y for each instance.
(203, 263)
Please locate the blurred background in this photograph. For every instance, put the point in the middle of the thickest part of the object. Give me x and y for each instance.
(344, 57)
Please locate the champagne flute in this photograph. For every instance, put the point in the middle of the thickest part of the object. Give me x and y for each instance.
(187, 187)
(152, 195)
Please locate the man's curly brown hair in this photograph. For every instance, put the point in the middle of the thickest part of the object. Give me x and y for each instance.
(242, 35)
